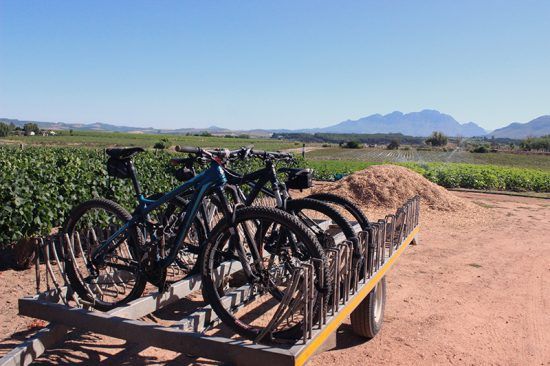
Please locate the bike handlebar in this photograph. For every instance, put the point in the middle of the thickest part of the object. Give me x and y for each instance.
(272, 154)
(222, 153)
(241, 153)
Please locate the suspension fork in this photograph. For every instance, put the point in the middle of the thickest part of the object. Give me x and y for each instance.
(275, 186)
(235, 242)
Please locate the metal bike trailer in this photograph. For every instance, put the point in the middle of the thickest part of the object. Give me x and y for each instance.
(381, 245)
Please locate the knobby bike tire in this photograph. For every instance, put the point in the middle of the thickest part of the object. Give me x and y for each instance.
(305, 236)
(135, 243)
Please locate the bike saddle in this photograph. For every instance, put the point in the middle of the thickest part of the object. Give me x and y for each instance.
(123, 153)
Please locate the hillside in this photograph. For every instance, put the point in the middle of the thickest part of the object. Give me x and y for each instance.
(538, 127)
(421, 123)
(106, 127)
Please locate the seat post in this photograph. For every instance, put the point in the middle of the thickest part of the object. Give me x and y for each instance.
(133, 177)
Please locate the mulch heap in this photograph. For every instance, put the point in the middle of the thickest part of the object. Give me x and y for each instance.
(389, 186)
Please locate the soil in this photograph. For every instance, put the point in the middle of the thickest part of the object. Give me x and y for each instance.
(475, 291)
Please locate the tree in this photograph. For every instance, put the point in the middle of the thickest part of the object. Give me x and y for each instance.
(353, 145)
(160, 145)
(481, 149)
(31, 127)
(393, 145)
(4, 129)
(164, 143)
(437, 139)
(536, 143)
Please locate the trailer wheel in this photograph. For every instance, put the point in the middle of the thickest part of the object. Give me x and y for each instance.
(367, 318)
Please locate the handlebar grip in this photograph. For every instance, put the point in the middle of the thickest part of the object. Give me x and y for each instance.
(188, 149)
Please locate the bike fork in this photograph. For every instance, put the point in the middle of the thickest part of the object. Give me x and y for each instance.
(235, 238)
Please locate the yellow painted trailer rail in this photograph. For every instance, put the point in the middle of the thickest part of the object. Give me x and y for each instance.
(308, 350)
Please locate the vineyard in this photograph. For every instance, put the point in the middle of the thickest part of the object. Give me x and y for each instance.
(39, 185)
(111, 139)
(484, 177)
(381, 155)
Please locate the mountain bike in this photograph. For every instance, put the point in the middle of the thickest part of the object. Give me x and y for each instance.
(266, 243)
(321, 218)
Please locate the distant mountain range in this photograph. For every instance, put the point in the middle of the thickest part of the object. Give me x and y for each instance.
(421, 123)
(538, 127)
(98, 126)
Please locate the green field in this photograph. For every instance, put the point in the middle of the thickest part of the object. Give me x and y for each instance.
(345, 160)
(532, 161)
(40, 184)
(110, 139)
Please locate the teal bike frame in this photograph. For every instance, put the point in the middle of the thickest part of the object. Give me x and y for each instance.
(212, 178)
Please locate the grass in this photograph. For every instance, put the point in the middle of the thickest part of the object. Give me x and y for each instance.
(108, 139)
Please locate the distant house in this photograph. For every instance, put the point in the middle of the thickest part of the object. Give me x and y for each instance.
(31, 133)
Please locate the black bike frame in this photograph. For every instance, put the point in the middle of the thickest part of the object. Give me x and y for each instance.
(257, 181)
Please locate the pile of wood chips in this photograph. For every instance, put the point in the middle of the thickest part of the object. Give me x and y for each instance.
(389, 186)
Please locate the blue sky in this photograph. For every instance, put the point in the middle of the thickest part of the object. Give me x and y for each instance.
(276, 64)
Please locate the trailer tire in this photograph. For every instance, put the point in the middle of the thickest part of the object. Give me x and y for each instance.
(367, 318)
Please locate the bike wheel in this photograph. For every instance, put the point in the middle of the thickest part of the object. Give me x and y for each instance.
(270, 245)
(348, 209)
(117, 278)
(345, 206)
(322, 219)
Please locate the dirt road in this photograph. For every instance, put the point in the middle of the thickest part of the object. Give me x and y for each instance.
(476, 295)
(476, 291)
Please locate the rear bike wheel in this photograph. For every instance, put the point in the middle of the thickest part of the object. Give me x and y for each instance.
(345, 206)
(117, 278)
(271, 246)
(321, 219)
(348, 209)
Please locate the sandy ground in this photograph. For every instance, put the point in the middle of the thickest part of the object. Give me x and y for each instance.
(476, 291)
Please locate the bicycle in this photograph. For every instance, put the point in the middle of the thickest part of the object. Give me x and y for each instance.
(269, 245)
(307, 209)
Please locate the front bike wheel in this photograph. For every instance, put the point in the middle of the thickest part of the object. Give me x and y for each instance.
(272, 247)
(117, 278)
